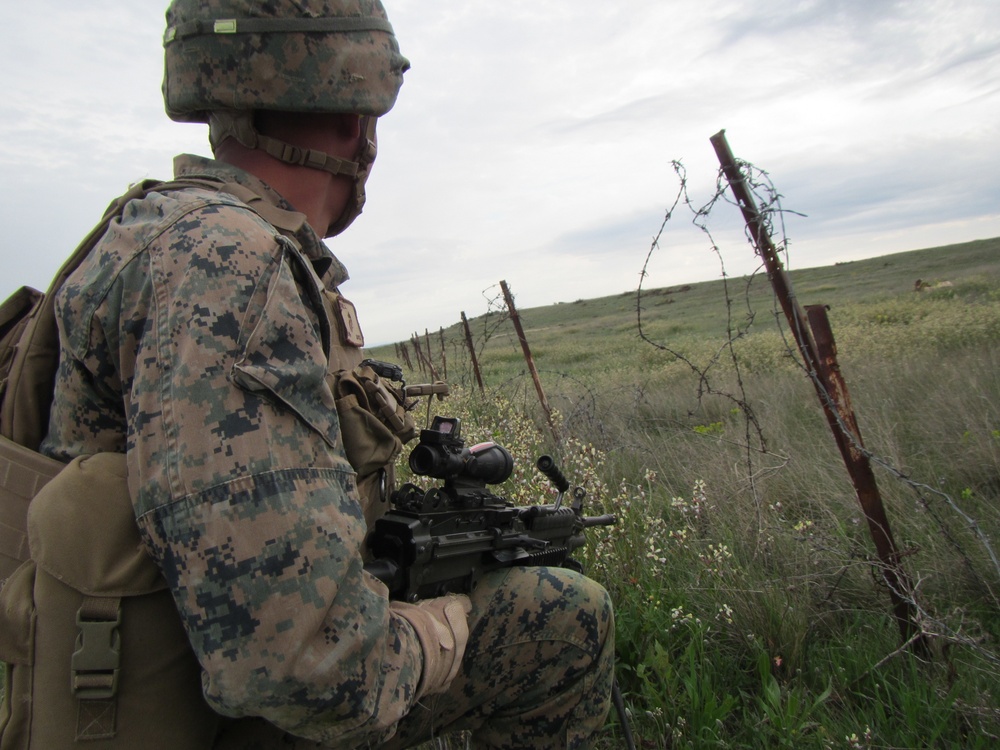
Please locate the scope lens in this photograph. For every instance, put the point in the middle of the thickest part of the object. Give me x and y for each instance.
(425, 461)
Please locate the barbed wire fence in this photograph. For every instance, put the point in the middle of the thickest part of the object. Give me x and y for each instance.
(735, 330)
(493, 332)
(929, 624)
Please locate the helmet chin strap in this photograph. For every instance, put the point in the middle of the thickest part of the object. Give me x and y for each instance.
(365, 159)
(240, 126)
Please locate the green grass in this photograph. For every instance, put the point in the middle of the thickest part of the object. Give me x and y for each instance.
(751, 612)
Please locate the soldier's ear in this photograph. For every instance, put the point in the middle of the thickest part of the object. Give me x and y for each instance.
(348, 126)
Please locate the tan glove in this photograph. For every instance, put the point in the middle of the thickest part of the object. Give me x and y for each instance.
(442, 625)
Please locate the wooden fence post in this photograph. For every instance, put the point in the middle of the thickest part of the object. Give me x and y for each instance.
(472, 352)
(528, 358)
(444, 356)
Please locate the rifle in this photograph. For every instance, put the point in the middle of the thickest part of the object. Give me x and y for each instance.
(444, 539)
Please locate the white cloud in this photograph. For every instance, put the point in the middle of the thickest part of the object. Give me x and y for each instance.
(532, 141)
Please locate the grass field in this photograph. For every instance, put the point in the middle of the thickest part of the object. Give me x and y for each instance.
(751, 611)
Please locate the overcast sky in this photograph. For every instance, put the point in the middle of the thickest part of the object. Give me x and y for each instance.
(532, 141)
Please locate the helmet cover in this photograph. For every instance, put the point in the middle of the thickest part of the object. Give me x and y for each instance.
(282, 55)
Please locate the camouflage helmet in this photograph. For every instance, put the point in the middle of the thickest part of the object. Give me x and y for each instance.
(284, 55)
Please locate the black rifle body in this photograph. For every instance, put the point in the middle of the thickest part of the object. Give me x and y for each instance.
(442, 540)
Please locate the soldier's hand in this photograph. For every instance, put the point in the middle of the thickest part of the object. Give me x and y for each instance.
(442, 625)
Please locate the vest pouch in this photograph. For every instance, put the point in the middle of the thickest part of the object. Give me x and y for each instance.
(373, 425)
(17, 637)
(373, 422)
(103, 661)
(23, 472)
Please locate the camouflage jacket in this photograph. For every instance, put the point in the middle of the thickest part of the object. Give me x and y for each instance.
(192, 339)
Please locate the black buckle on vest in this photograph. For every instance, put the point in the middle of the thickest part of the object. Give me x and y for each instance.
(97, 658)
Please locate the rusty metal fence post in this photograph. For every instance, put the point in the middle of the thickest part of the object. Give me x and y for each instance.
(814, 339)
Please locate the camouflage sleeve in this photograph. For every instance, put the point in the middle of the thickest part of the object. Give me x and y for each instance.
(242, 489)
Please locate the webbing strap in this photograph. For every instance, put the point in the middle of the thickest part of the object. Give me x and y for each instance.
(97, 720)
(307, 157)
(341, 25)
(288, 221)
(366, 156)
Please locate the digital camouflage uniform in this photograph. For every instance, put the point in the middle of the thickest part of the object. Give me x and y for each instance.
(203, 337)
(197, 338)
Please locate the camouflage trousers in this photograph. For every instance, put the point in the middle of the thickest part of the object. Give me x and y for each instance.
(537, 672)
